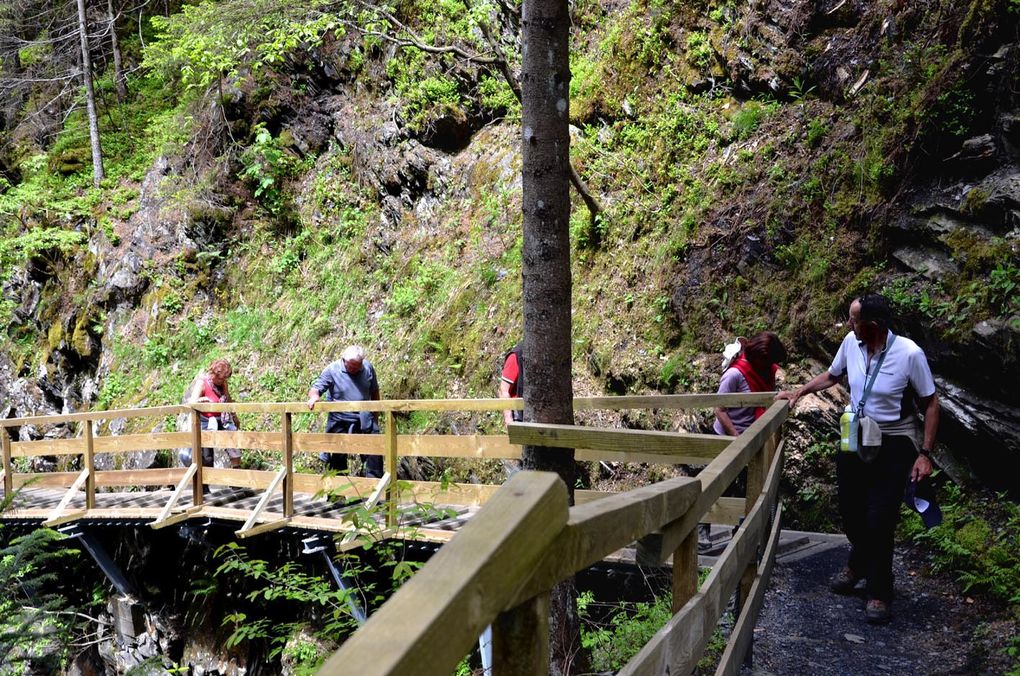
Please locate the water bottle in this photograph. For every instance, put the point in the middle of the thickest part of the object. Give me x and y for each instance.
(213, 424)
(845, 431)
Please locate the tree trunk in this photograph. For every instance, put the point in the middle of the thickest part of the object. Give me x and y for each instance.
(90, 98)
(118, 68)
(548, 395)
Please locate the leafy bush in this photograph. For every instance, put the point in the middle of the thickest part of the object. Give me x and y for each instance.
(267, 164)
(613, 643)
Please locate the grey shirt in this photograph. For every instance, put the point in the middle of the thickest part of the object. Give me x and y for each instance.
(342, 386)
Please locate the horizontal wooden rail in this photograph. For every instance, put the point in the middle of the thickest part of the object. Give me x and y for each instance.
(701, 447)
(110, 444)
(678, 646)
(152, 412)
(436, 617)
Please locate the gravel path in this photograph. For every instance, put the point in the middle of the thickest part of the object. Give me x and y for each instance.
(803, 628)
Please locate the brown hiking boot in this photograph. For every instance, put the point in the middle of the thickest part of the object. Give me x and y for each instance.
(844, 582)
(877, 612)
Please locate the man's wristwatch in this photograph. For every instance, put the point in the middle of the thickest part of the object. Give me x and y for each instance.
(926, 452)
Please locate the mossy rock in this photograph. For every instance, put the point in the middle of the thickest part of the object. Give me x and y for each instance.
(82, 341)
(70, 161)
(55, 335)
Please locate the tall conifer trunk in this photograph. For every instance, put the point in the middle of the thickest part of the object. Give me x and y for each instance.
(548, 396)
(90, 97)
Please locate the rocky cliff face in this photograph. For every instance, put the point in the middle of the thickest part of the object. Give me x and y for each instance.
(757, 166)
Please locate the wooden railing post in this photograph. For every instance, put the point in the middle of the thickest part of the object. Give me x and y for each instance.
(196, 457)
(520, 639)
(5, 440)
(90, 466)
(288, 464)
(391, 462)
(685, 571)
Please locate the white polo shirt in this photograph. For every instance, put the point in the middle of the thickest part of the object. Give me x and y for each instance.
(904, 365)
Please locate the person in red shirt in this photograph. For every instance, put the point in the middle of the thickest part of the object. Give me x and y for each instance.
(753, 370)
(511, 382)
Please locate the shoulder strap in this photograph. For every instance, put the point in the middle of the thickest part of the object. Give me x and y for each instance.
(874, 375)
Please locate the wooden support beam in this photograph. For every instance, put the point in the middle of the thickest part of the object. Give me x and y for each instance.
(8, 468)
(520, 638)
(176, 495)
(264, 500)
(703, 446)
(372, 501)
(191, 512)
(742, 635)
(288, 466)
(267, 527)
(433, 621)
(721, 472)
(198, 484)
(69, 494)
(685, 571)
(391, 463)
(64, 518)
(599, 528)
(90, 465)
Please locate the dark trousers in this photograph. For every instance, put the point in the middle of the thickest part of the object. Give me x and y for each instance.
(338, 461)
(869, 502)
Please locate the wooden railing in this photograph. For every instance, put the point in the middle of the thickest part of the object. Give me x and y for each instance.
(680, 448)
(501, 566)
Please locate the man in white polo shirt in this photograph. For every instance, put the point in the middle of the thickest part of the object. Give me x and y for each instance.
(870, 491)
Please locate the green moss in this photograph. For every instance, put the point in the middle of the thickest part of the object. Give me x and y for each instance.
(55, 335)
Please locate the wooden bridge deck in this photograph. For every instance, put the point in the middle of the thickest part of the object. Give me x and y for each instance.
(232, 504)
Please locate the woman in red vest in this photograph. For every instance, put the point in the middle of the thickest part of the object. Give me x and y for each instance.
(753, 370)
(212, 387)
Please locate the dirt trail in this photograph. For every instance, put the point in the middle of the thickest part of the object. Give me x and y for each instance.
(803, 628)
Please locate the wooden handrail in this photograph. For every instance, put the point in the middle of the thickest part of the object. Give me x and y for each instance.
(431, 623)
(592, 531)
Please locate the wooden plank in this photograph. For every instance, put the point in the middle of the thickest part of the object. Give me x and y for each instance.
(678, 646)
(154, 412)
(266, 527)
(90, 465)
(457, 446)
(119, 444)
(721, 472)
(743, 631)
(391, 462)
(191, 512)
(44, 479)
(264, 500)
(64, 518)
(588, 455)
(675, 401)
(288, 465)
(703, 446)
(71, 491)
(8, 468)
(520, 638)
(318, 442)
(238, 478)
(435, 618)
(685, 571)
(260, 441)
(726, 512)
(599, 528)
(140, 477)
(176, 495)
(670, 401)
(198, 481)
